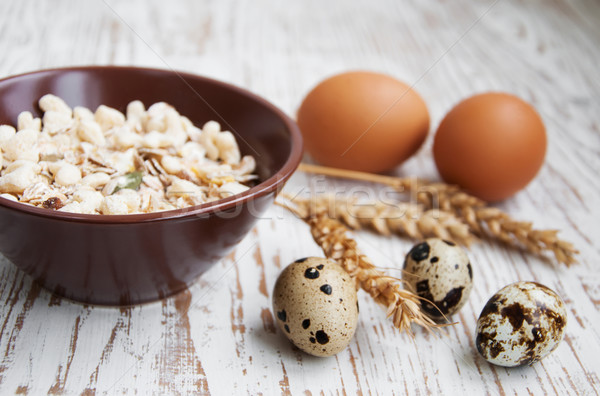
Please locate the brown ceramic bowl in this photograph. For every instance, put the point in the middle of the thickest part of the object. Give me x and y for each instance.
(129, 259)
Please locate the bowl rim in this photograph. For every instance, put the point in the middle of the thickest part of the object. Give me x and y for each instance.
(272, 184)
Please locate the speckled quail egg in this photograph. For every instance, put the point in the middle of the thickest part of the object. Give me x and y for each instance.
(315, 303)
(521, 324)
(440, 272)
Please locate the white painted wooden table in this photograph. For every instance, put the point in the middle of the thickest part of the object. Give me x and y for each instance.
(219, 337)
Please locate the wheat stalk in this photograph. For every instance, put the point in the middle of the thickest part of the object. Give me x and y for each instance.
(481, 218)
(403, 219)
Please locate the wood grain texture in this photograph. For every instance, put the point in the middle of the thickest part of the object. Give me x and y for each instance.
(219, 336)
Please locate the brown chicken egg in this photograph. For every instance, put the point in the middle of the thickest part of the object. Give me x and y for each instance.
(363, 121)
(491, 144)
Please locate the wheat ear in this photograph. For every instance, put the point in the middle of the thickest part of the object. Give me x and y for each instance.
(487, 220)
(403, 306)
(481, 218)
(404, 219)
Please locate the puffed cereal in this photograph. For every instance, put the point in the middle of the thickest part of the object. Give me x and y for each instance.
(106, 162)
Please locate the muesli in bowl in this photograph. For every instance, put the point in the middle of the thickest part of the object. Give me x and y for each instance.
(110, 163)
